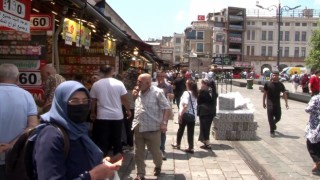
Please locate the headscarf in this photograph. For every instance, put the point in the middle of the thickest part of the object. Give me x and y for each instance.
(58, 114)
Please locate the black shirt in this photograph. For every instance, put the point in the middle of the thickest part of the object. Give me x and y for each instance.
(274, 90)
(180, 86)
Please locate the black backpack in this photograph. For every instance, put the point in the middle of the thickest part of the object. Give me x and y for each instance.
(19, 160)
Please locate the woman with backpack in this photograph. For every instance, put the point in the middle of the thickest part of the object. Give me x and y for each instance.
(207, 102)
(83, 160)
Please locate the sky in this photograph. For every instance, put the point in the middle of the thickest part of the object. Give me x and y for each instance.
(157, 18)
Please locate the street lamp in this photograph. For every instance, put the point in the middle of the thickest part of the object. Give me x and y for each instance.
(280, 9)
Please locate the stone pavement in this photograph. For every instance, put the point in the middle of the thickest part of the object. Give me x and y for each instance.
(282, 157)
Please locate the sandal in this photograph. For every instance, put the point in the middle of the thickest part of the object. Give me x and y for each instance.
(191, 151)
(175, 146)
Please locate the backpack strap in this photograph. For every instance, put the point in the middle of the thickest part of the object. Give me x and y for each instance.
(66, 139)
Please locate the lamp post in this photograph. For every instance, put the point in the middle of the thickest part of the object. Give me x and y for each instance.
(279, 9)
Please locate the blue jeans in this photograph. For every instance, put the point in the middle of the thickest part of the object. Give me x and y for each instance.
(163, 141)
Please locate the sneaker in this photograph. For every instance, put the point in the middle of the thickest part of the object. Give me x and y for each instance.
(164, 157)
(157, 171)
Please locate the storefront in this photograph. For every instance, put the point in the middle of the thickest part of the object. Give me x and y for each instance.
(73, 35)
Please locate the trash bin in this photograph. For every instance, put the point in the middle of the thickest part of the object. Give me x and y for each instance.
(249, 83)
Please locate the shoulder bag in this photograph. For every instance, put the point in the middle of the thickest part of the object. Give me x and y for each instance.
(188, 117)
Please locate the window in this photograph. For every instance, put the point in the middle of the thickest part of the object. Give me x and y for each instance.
(297, 24)
(269, 50)
(178, 40)
(280, 51)
(304, 24)
(270, 35)
(199, 35)
(216, 19)
(264, 35)
(217, 49)
(314, 24)
(248, 35)
(253, 34)
(281, 23)
(200, 47)
(248, 50)
(264, 23)
(303, 36)
(286, 36)
(296, 52)
(252, 50)
(263, 50)
(191, 34)
(287, 24)
(253, 23)
(270, 23)
(297, 36)
(281, 35)
(286, 52)
(248, 23)
(303, 52)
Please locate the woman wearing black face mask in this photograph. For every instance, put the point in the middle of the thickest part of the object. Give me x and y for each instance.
(70, 107)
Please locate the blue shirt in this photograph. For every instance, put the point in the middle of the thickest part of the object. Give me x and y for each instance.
(16, 104)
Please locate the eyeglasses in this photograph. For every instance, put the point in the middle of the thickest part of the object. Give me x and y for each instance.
(79, 101)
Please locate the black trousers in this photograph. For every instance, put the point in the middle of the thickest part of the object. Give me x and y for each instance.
(3, 172)
(128, 125)
(107, 135)
(205, 126)
(314, 151)
(274, 116)
(190, 132)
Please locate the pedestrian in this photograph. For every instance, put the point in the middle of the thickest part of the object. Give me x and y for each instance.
(188, 105)
(313, 85)
(313, 132)
(130, 81)
(179, 86)
(295, 81)
(271, 95)
(108, 95)
(168, 92)
(51, 80)
(25, 112)
(207, 103)
(304, 83)
(70, 107)
(150, 119)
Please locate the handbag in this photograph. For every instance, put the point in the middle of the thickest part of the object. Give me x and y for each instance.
(188, 117)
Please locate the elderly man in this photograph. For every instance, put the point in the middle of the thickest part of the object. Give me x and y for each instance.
(13, 98)
(51, 80)
(150, 119)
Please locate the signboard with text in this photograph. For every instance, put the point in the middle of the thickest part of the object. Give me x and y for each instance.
(15, 14)
(41, 22)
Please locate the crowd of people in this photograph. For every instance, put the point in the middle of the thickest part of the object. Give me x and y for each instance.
(122, 113)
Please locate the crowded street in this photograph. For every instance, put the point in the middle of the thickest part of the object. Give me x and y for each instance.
(283, 157)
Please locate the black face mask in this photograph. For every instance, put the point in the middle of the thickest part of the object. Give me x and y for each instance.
(78, 113)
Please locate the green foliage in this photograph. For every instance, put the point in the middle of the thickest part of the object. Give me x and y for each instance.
(313, 60)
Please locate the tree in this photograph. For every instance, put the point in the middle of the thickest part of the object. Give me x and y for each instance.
(313, 60)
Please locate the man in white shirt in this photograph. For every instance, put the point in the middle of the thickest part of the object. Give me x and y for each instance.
(108, 95)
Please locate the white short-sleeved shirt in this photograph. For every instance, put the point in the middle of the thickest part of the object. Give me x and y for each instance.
(108, 92)
(185, 99)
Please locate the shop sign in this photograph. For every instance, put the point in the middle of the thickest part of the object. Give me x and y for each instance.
(68, 39)
(40, 22)
(37, 92)
(15, 14)
(25, 64)
(76, 31)
(29, 78)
